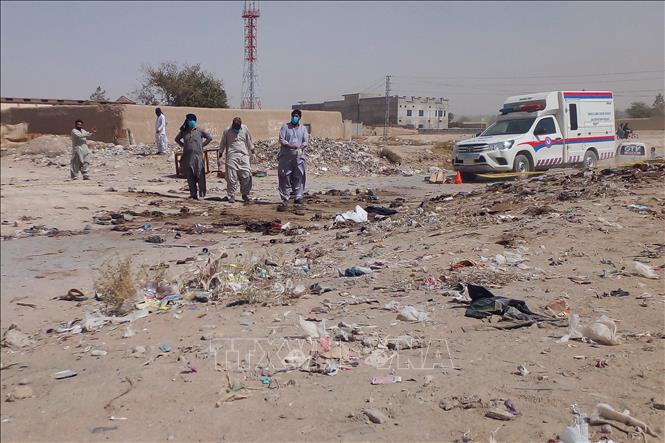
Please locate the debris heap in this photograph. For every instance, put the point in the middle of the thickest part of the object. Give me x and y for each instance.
(337, 157)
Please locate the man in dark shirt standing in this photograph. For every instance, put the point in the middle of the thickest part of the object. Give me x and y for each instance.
(192, 140)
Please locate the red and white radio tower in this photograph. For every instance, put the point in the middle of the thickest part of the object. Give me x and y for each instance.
(250, 98)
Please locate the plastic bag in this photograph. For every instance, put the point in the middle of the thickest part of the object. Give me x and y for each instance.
(409, 313)
(603, 331)
(644, 270)
(578, 432)
(359, 215)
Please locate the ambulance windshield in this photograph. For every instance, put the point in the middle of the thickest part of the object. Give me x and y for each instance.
(513, 126)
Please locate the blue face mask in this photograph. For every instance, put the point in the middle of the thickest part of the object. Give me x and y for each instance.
(295, 119)
(191, 124)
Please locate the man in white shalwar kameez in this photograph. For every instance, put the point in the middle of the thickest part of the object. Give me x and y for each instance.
(161, 141)
(235, 151)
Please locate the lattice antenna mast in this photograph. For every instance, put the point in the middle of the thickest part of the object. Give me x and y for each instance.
(250, 97)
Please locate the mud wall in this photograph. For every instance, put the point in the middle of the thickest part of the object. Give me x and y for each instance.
(263, 124)
(59, 120)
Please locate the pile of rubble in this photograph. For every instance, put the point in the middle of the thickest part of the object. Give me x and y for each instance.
(337, 157)
(52, 150)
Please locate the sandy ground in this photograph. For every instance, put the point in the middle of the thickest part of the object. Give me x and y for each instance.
(586, 230)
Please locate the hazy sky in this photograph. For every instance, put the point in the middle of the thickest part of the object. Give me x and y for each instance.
(474, 53)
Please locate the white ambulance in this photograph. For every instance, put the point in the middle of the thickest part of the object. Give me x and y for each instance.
(540, 131)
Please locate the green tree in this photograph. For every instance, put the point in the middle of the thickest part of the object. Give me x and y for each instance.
(451, 117)
(658, 107)
(172, 85)
(99, 95)
(639, 110)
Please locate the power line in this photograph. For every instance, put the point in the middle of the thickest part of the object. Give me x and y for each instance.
(513, 77)
(374, 85)
(561, 83)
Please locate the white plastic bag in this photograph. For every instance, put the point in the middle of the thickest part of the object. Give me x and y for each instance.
(409, 313)
(359, 215)
(577, 433)
(603, 331)
(644, 270)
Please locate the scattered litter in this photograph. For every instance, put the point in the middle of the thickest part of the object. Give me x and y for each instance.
(331, 368)
(386, 380)
(644, 270)
(15, 339)
(405, 342)
(578, 432)
(73, 295)
(581, 279)
(165, 348)
(498, 414)
(155, 239)
(312, 329)
(356, 271)
(380, 210)
(601, 363)
(638, 208)
(461, 264)
(375, 416)
(484, 304)
(102, 429)
(433, 283)
(603, 413)
(129, 332)
(98, 353)
(603, 331)
(358, 215)
(522, 370)
(616, 293)
(559, 308)
(317, 289)
(409, 313)
(65, 374)
(510, 258)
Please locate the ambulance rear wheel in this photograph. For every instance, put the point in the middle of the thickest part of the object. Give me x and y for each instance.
(590, 159)
(521, 164)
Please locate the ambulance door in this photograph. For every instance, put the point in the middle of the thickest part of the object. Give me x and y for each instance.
(549, 143)
(574, 146)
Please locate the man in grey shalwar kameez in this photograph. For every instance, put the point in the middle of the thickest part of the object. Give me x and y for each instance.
(192, 140)
(291, 169)
(236, 149)
(80, 151)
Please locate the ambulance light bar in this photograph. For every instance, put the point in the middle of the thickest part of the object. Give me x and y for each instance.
(533, 106)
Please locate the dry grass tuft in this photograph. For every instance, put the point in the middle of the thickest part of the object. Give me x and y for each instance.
(117, 286)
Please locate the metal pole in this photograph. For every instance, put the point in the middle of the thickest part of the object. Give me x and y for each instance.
(386, 121)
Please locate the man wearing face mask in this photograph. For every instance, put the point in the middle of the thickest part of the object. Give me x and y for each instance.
(293, 138)
(80, 151)
(161, 141)
(236, 150)
(192, 140)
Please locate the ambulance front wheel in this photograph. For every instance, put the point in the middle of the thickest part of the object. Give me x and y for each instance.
(590, 159)
(521, 164)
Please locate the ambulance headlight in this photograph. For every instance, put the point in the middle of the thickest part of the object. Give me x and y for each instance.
(501, 145)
